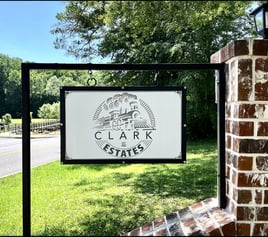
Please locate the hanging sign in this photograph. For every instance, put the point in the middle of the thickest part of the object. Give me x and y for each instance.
(122, 125)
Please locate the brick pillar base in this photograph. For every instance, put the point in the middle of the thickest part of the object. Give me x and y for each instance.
(246, 133)
(200, 219)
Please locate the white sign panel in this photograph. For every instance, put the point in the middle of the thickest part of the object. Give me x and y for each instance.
(122, 125)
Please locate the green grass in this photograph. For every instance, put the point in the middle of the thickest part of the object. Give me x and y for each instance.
(109, 199)
(34, 120)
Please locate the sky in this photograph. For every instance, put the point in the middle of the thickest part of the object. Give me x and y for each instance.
(25, 31)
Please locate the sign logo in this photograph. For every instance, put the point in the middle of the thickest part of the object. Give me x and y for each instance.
(124, 125)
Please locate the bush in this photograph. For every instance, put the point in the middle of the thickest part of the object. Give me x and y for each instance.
(49, 111)
(7, 118)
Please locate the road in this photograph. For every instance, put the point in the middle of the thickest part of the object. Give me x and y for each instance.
(43, 150)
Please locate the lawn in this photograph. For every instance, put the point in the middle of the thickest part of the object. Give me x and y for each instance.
(107, 199)
(34, 120)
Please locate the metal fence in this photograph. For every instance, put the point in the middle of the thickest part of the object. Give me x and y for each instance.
(38, 127)
(46, 126)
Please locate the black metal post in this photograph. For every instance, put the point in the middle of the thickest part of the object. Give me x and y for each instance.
(221, 137)
(26, 156)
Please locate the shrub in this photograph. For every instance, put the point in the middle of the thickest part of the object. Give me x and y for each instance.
(49, 111)
(7, 118)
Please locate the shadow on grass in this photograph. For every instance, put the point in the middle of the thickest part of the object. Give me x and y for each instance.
(153, 192)
(196, 179)
(53, 231)
(123, 213)
(111, 216)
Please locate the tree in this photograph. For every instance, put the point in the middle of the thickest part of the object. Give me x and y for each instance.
(157, 32)
(133, 31)
(45, 85)
(10, 85)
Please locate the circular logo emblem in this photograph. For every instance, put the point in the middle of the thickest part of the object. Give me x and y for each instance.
(124, 125)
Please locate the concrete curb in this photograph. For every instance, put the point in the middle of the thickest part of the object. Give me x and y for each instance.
(33, 135)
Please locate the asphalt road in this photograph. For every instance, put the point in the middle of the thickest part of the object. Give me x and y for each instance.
(43, 150)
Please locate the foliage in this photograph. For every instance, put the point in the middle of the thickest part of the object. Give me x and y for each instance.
(107, 199)
(7, 118)
(44, 85)
(10, 85)
(144, 31)
(157, 32)
(49, 111)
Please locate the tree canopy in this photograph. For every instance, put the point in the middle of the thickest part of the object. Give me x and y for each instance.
(150, 31)
(157, 32)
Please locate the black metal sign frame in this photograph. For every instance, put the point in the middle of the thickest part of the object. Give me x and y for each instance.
(140, 136)
(26, 139)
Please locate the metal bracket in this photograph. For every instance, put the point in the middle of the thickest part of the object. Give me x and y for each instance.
(91, 81)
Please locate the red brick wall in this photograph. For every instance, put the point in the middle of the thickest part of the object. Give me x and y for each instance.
(247, 133)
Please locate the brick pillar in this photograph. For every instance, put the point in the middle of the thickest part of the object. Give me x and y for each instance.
(246, 134)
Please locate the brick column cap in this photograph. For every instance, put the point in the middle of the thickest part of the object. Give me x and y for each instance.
(239, 48)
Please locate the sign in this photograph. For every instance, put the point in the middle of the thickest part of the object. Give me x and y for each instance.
(122, 125)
